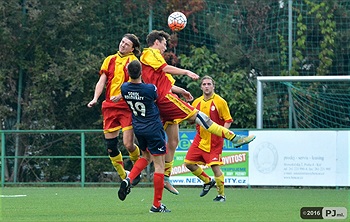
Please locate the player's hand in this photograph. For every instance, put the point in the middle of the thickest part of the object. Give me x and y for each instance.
(187, 95)
(192, 75)
(116, 98)
(92, 103)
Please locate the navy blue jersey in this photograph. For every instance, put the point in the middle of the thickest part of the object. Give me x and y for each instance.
(140, 98)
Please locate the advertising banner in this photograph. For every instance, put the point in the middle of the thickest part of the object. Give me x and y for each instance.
(235, 160)
(298, 158)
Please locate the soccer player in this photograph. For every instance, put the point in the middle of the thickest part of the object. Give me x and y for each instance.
(115, 112)
(206, 148)
(172, 109)
(149, 132)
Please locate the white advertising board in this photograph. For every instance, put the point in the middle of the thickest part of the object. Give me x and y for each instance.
(299, 158)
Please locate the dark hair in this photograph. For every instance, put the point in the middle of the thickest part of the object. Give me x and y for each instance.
(134, 69)
(135, 42)
(156, 35)
(208, 77)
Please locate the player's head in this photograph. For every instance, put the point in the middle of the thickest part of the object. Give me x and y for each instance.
(207, 85)
(134, 69)
(130, 43)
(158, 40)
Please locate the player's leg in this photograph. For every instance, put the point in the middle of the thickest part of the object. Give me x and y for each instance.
(158, 179)
(172, 131)
(203, 120)
(198, 172)
(125, 119)
(157, 148)
(195, 157)
(138, 167)
(174, 109)
(216, 154)
(132, 148)
(220, 181)
(111, 142)
(111, 128)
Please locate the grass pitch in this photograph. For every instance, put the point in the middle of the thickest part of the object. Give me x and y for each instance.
(102, 204)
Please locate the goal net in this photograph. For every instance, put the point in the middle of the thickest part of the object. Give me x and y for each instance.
(303, 102)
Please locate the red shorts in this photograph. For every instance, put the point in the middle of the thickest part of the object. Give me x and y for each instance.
(116, 116)
(173, 110)
(196, 155)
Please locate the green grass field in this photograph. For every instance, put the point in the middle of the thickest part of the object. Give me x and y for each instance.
(51, 204)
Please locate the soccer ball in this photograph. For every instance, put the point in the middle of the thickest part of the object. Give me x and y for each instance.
(177, 21)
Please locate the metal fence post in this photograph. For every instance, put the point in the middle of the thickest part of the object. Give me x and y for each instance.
(3, 153)
(82, 159)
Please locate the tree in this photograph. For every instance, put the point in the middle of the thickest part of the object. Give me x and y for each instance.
(232, 85)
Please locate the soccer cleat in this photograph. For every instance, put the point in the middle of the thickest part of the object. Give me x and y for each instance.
(206, 188)
(161, 209)
(168, 186)
(219, 198)
(124, 189)
(241, 140)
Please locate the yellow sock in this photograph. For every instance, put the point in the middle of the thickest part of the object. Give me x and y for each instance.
(117, 162)
(135, 155)
(221, 131)
(220, 184)
(168, 168)
(201, 175)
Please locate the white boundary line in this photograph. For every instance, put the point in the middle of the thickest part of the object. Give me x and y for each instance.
(21, 195)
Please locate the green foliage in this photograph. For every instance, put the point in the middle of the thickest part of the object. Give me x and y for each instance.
(233, 86)
(325, 19)
(283, 54)
(322, 14)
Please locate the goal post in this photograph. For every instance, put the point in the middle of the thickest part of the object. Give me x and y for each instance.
(288, 81)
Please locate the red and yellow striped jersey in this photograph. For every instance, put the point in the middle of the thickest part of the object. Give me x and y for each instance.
(217, 109)
(115, 68)
(152, 64)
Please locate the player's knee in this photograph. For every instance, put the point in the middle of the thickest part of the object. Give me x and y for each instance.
(203, 120)
(190, 166)
(147, 156)
(130, 146)
(172, 143)
(112, 147)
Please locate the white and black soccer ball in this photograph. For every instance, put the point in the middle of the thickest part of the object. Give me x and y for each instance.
(177, 21)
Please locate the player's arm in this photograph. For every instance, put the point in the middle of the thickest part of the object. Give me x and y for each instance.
(178, 71)
(98, 89)
(227, 125)
(225, 112)
(178, 90)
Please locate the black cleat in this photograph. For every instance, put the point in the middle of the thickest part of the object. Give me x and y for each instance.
(124, 189)
(207, 187)
(161, 209)
(219, 198)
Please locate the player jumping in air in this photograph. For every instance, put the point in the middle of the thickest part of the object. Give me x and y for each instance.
(172, 109)
(149, 132)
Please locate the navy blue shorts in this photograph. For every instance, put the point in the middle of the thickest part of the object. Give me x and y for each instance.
(154, 142)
